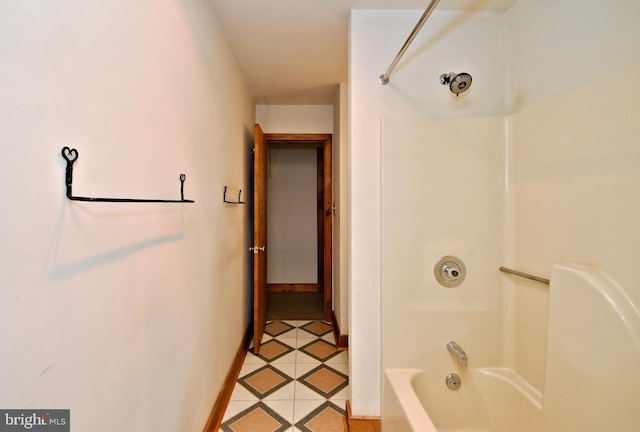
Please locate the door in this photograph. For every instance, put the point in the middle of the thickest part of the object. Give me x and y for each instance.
(259, 238)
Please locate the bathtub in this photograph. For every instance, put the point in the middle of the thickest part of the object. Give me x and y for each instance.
(489, 400)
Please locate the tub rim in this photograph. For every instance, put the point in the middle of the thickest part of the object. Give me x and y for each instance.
(401, 381)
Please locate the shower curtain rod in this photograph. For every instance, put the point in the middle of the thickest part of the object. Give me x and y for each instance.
(384, 78)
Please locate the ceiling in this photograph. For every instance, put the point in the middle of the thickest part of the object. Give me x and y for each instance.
(294, 52)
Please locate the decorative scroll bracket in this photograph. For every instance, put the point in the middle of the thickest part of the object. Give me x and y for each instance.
(224, 197)
(71, 155)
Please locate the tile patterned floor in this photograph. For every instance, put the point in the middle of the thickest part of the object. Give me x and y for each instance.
(298, 383)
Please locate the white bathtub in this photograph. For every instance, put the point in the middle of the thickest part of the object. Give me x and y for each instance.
(489, 400)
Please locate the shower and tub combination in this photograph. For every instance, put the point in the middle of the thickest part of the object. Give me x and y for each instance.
(448, 311)
(591, 376)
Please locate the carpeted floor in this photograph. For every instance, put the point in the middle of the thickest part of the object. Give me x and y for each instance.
(294, 306)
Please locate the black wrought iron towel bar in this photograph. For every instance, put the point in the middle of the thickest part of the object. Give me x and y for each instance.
(525, 275)
(224, 197)
(71, 155)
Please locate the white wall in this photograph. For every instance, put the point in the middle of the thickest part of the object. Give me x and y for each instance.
(127, 314)
(307, 119)
(574, 144)
(452, 42)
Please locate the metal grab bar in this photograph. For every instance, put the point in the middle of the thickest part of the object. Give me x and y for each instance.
(525, 275)
(384, 78)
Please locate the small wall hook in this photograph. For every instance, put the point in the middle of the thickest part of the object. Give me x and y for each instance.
(224, 197)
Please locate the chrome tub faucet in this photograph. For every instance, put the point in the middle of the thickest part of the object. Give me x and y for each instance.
(458, 353)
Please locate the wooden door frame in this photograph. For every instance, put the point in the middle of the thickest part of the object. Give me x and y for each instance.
(259, 238)
(325, 141)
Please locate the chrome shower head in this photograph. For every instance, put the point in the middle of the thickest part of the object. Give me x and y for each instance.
(458, 83)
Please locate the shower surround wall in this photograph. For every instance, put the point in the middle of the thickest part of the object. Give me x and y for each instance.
(574, 156)
(129, 315)
(441, 184)
(538, 164)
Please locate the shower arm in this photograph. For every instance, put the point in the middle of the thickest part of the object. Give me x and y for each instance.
(384, 78)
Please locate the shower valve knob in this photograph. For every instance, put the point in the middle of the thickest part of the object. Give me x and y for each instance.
(449, 271)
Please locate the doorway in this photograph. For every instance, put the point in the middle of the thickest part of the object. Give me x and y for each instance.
(298, 217)
(296, 294)
(296, 226)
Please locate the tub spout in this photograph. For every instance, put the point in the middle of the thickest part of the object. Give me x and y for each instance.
(458, 353)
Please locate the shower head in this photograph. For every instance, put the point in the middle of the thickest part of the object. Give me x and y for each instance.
(458, 83)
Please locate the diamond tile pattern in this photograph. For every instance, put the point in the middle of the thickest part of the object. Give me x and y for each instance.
(320, 350)
(257, 418)
(317, 328)
(325, 380)
(297, 383)
(273, 350)
(275, 328)
(264, 381)
(326, 418)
